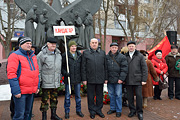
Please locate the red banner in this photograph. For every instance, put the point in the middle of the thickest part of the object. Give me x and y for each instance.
(164, 45)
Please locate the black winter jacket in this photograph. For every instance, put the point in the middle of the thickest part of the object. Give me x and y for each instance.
(137, 69)
(74, 68)
(116, 70)
(94, 66)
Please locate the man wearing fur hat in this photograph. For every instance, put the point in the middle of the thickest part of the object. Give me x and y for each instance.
(50, 60)
(74, 61)
(174, 75)
(117, 70)
(136, 77)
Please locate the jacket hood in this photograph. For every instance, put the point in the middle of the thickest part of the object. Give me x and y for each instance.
(26, 52)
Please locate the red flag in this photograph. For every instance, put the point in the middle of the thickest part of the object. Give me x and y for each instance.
(164, 45)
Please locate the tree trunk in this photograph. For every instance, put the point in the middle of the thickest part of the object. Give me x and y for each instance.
(7, 51)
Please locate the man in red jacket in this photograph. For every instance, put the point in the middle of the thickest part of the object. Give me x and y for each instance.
(23, 75)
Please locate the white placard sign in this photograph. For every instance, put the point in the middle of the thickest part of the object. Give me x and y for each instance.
(64, 30)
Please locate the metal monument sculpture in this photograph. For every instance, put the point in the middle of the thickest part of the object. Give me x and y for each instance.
(78, 12)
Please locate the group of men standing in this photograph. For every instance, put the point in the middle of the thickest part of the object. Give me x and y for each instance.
(94, 68)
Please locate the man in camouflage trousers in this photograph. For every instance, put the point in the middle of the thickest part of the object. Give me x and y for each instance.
(50, 60)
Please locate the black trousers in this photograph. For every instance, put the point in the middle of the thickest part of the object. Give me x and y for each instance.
(157, 91)
(130, 96)
(171, 81)
(92, 90)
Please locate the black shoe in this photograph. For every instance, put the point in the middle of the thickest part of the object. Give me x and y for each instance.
(159, 98)
(80, 114)
(155, 98)
(111, 111)
(66, 115)
(118, 114)
(92, 116)
(44, 115)
(140, 116)
(100, 114)
(131, 114)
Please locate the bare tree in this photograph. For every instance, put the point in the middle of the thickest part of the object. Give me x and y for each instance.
(7, 25)
(163, 15)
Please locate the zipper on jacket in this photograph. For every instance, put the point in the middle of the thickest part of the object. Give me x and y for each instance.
(30, 63)
(54, 69)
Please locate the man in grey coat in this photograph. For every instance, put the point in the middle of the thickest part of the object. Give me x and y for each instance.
(136, 77)
(49, 61)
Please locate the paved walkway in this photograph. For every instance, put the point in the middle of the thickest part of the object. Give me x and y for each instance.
(157, 110)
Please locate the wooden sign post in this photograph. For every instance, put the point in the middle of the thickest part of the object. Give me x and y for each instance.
(63, 31)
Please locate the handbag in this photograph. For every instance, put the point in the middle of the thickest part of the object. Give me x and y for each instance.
(163, 84)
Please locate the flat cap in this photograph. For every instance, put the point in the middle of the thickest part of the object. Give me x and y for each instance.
(131, 42)
(51, 40)
(114, 44)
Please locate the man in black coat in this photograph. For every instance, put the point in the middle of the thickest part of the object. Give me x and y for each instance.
(136, 77)
(117, 71)
(94, 75)
(74, 61)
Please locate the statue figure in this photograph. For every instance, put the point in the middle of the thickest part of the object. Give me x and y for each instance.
(73, 37)
(50, 32)
(88, 32)
(29, 26)
(40, 30)
(78, 23)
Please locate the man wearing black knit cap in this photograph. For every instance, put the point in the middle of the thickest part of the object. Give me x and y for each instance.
(136, 77)
(23, 75)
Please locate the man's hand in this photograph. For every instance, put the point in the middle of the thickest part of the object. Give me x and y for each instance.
(143, 83)
(37, 91)
(161, 73)
(120, 81)
(105, 82)
(18, 95)
(85, 82)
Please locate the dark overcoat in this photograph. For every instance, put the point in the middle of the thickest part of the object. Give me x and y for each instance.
(137, 69)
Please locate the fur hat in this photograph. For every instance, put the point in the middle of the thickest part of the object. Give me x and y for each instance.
(158, 51)
(124, 50)
(71, 43)
(144, 52)
(174, 47)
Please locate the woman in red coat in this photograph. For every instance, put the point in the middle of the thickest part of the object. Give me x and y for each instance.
(161, 68)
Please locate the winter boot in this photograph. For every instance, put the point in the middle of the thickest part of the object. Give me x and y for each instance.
(53, 115)
(44, 116)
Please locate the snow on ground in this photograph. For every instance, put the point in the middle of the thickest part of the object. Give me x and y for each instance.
(5, 92)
